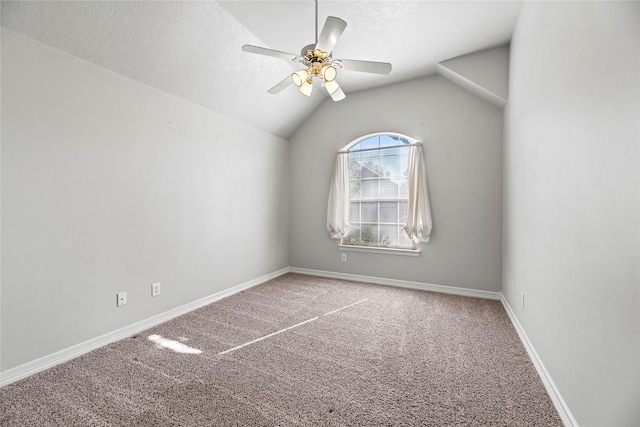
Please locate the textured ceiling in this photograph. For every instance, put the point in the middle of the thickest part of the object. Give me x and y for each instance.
(192, 49)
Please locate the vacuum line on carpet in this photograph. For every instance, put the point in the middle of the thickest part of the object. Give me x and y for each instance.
(346, 306)
(289, 328)
(267, 336)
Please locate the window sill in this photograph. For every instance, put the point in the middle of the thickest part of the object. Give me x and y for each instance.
(390, 251)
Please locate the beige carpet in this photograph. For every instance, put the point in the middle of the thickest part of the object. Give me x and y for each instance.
(301, 351)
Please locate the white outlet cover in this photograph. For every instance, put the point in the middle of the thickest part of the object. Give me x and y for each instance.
(122, 298)
(155, 289)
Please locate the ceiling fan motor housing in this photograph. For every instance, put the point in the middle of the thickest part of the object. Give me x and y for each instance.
(316, 66)
(308, 48)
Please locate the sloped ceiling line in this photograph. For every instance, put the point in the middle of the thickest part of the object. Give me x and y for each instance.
(484, 73)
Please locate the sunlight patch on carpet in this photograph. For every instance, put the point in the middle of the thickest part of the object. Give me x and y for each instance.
(176, 346)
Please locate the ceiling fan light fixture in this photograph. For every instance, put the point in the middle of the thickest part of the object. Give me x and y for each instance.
(331, 86)
(306, 87)
(329, 73)
(299, 77)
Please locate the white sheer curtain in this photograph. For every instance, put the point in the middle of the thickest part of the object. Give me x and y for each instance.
(338, 206)
(419, 222)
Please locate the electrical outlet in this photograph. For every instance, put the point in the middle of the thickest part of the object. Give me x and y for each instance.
(155, 289)
(122, 299)
(522, 296)
(344, 257)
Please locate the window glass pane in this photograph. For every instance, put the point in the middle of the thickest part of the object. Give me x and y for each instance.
(370, 188)
(369, 235)
(388, 140)
(354, 190)
(371, 169)
(369, 211)
(403, 208)
(354, 212)
(373, 142)
(395, 151)
(403, 167)
(353, 237)
(388, 189)
(395, 163)
(403, 190)
(355, 175)
(389, 212)
(371, 166)
(369, 156)
(388, 235)
(390, 166)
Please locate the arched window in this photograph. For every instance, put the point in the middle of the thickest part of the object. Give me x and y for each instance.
(378, 194)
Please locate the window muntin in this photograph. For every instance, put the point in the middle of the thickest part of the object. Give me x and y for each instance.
(379, 192)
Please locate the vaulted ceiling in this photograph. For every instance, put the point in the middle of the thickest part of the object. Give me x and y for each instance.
(191, 49)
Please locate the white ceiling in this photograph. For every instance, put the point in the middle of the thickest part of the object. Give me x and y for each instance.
(191, 49)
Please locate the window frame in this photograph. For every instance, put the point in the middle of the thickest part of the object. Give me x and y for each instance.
(379, 249)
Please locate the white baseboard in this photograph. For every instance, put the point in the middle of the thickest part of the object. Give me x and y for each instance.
(19, 372)
(401, 283)
(554, 393)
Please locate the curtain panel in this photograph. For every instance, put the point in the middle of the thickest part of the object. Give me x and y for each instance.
(338, 206)
(419, 221)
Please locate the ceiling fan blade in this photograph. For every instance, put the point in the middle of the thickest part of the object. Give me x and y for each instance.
(333, 28)
(338, 95)
(268, 52)
(281, 86)
(366, 66)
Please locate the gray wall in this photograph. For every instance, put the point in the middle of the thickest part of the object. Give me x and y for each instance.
(109, 185)
(571, 211)
(462, 139)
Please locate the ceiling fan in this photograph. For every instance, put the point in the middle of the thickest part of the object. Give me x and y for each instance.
(318, 61)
